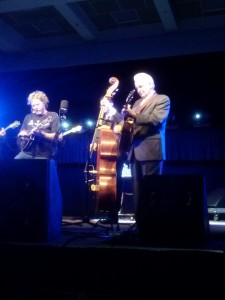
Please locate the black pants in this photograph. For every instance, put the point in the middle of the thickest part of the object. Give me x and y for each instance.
(139, 169)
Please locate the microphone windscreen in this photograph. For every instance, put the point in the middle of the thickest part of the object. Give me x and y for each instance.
(64, 104)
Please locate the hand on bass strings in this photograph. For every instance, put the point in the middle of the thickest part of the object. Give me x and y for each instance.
(105, 102)
(108, 106)
(93, 147)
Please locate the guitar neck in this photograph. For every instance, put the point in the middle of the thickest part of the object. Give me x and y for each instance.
(7, 128)
(72, 130)
(13, 125)
(66, 132)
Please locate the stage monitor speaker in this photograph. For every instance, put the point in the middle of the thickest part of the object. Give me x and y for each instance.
(216, 204)
(172, 210)
(217, 198)
(30, 201)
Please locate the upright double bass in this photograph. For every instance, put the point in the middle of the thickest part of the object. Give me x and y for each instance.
(105, 181)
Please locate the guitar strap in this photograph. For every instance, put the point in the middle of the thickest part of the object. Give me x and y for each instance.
(140, 107)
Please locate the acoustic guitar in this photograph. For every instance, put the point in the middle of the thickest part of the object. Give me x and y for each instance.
(24, 142)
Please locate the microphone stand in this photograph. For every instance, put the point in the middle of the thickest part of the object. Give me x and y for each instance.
(55, 143)
(86, 218)
(62, 115)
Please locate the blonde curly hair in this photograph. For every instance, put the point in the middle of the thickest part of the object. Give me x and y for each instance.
(38, 95)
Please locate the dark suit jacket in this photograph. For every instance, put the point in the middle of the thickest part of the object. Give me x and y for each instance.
(149, 129)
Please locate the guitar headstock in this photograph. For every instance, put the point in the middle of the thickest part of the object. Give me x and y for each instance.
(14, 124)
(76, 129)
(130, 96)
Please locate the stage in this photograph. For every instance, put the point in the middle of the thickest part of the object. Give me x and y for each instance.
(103, 261)
(46, 253)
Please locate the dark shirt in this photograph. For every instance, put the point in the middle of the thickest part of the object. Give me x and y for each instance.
(39, 146)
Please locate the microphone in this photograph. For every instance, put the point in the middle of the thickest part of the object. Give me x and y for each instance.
(63, 107)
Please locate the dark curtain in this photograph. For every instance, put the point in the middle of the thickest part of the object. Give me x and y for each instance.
(198, 144)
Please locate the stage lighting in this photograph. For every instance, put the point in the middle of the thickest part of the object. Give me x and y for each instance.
(89, 123)
(197, 116)
(200, 119)
(65, 125)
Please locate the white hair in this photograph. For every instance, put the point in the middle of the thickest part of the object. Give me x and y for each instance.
(144, 77)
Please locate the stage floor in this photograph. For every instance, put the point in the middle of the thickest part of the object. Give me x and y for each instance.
(94, 232)
(94, 261)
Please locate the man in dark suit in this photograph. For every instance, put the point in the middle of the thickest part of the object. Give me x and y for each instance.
(149, 114)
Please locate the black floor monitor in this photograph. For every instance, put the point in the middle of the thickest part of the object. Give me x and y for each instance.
(173, 210)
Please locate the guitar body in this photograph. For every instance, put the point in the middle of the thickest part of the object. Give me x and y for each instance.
(106, 171)
(126, 135)
(24, 142)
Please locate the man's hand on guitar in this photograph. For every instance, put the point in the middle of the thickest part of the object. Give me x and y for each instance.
(60, 137)
(24, 133)
(117, 128)
(2, 132)
(38, 134)
(128, 113)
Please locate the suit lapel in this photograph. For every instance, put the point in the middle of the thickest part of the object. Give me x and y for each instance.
(138, 108)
